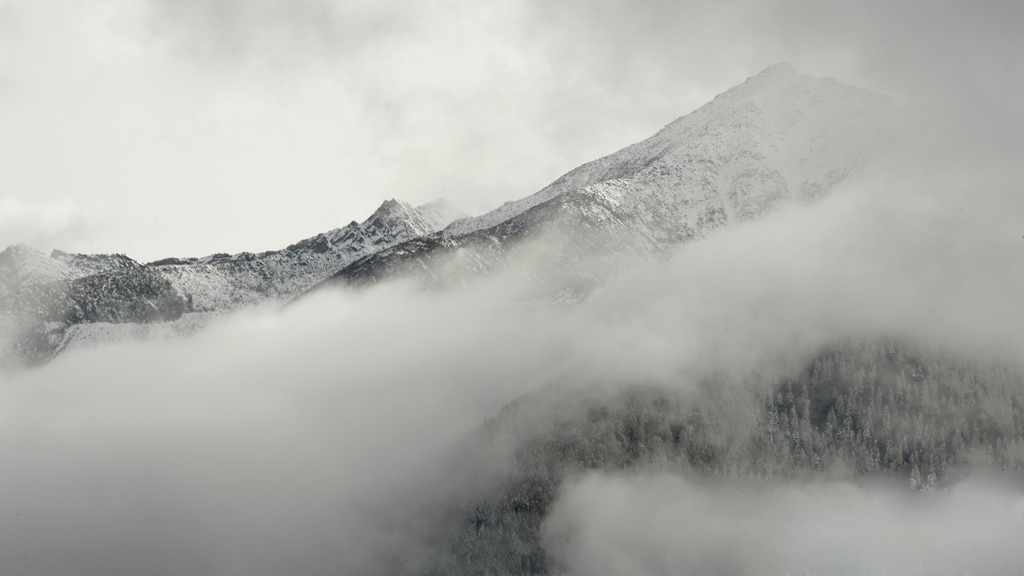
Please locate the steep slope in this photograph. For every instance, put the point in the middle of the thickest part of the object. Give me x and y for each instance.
(779, 137)
(36, 313)
(224, 282)
(881, 407)
(51, 303)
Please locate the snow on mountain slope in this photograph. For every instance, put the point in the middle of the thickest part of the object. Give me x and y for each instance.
(63, 301)
(438, 214)
(799, 133)
(222, 281)
(779, 137)
(24, 266)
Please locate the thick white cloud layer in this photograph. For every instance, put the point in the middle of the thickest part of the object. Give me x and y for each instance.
(277, 442)
(663, 524)
(299, 441)
(250, 449)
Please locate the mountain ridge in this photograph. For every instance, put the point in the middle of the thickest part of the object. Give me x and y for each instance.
(779, 137)
(43, 297)
(775, 139)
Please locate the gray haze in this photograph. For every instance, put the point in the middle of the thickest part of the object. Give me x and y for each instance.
(303, 441)
(662, 524)
(164, 128)
(300, 441)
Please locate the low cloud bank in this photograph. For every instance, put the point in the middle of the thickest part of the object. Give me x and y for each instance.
(43, 225)
(276, 442)
(253, 448)
(664, 524)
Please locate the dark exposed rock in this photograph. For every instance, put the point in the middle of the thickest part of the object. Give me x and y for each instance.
(133, 295)
(172, 262)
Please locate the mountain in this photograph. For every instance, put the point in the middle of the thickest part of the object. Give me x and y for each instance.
(225, 282)
(23, 266)
(778, 138)
(881, 407)
(52, 303)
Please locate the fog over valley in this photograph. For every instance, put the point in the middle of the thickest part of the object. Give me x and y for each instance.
(337, 434)
(779, 334)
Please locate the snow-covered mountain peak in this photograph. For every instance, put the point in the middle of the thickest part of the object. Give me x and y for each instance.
(391, 207)
(396, 217)
(779, 135)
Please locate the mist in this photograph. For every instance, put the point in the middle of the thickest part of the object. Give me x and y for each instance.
(248, 449)
(146, 122)
(664, 524)
(307, 440)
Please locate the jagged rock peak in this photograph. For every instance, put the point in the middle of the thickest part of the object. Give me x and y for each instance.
(391, 206)
(392, 211)
(425, 218)
(772, 124)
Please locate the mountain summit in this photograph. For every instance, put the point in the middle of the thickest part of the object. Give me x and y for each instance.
(777, 138)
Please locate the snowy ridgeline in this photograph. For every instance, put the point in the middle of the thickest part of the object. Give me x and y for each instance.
(775, 139)
(60, 301)
(778, 136)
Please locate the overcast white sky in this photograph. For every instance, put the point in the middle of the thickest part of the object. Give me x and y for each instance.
(186, 127)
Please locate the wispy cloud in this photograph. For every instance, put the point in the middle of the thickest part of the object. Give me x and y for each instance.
(44, 225)
(663, 524)
(306, 440)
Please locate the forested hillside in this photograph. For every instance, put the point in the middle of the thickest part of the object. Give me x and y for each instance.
(861, 407)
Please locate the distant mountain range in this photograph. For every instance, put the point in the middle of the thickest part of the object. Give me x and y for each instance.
(778, 138)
